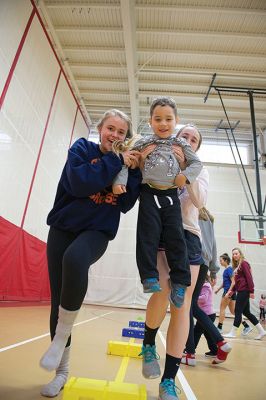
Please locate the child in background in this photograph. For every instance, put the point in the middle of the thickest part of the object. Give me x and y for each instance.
(262, 305)
(205, 302)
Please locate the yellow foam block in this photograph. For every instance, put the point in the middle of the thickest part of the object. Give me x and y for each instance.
(124, 349)
(92, 389)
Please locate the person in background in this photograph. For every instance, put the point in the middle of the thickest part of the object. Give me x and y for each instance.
(226, 301)
(84, 218)
(262, 305)
(205, 302)
(244, 287)
(209, 255)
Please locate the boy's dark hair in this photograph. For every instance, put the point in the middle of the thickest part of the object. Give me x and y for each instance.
(226, 258)
(163, 101)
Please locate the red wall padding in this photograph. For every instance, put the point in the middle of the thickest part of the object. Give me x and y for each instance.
(23, 265)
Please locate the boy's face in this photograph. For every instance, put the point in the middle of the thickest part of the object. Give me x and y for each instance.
(163, 121)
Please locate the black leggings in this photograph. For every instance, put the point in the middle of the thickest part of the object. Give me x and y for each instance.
(199, 330)
(200, 315)
(70, 256)
(243, 307)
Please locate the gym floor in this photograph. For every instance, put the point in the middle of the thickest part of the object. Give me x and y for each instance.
(24, 337)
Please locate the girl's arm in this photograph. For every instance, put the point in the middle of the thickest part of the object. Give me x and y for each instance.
(198, 190)
(87, 172)
(245, 267)
(128, 199)
(204, 295)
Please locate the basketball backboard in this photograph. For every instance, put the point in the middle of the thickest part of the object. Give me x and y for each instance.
(252, 229)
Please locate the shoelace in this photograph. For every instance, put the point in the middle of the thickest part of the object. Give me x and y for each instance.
(180, 291)
(170, 388)
(149, 353)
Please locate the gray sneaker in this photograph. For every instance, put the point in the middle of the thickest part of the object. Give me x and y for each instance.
(150, 365)
(246, 330)
(168, 390)
(177, 295)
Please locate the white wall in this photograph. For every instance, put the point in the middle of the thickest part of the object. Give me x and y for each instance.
(114, 279)
(24, 118)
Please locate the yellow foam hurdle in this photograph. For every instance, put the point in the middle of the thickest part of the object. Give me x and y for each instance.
(124, 349)
(93, 389)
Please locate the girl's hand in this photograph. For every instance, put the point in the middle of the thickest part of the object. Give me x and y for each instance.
(252, 295)
(180, 156)
(180, 180)
(144, 154)
(131, 158)
(119, 189)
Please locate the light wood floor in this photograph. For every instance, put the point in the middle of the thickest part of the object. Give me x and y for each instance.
(22, 344)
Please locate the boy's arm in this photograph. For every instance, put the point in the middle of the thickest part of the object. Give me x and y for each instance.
(194, 165)
(122, 177)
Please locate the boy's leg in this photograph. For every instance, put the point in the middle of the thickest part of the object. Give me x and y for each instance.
(176, 250)
(148, 237)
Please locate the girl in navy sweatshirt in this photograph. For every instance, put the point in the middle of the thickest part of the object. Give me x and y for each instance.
(85, 216)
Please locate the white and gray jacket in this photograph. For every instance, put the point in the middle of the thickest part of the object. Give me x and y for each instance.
(161, 165)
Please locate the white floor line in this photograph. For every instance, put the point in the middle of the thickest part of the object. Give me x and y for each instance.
(12, 346)
(184, 383)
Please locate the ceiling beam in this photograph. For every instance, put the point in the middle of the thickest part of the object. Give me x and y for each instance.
(171, 32)
(129, 30)
(157, 69)
(204, 10)
(76, 49)
(222, 10)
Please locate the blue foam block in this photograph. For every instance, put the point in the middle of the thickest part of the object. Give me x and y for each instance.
(137, 333)
(137, 324)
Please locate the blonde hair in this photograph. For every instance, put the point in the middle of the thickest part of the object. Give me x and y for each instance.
(120, 146)
(235, 263)
(205, 214)
(116, 113)
(191, 126)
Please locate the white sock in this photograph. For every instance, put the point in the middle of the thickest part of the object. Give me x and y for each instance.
(51, 359)
(53, 388)
(261, 331)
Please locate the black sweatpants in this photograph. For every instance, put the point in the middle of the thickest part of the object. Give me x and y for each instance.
(159, 217)
(243, 307)
(70, 256)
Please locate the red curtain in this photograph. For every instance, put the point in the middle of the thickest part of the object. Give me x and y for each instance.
(23, 265)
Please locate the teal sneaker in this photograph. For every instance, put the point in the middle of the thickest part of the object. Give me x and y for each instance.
(168, 390)
(151, 285)
(177, 295)
(150, 365)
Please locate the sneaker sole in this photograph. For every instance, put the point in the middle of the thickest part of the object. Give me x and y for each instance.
(152, 290)
(151, 376)
(213, 356)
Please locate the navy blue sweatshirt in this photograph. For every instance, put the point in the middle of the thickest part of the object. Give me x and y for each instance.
(84, 198)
